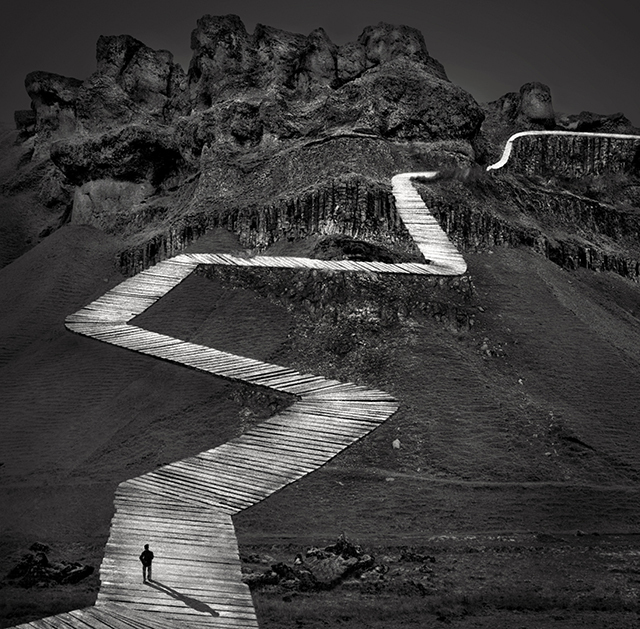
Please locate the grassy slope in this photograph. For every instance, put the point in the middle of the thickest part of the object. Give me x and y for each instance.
(474, 439)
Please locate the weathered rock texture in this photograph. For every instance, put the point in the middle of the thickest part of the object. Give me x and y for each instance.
(133, 153)
(571, 230)
(349, 207)
(259, 124)
(132, 83)
(574, 156)
(282, 137)
(532, 105)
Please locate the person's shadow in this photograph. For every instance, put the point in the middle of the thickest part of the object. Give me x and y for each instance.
(187, 600)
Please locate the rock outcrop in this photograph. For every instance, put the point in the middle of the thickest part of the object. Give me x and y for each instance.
(134, 153)
(53, 98)
(289, 84)
(35, 570)
(132, 84)
(530, 108)
(319, 569)
(247, 100)
(278, 136)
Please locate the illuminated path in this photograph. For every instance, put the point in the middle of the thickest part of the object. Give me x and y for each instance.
(565, 135)
(184, 510)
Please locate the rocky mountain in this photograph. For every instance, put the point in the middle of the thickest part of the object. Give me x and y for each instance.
(503, 491)
(261, 125)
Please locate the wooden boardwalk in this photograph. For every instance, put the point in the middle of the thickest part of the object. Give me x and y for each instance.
(184, 510)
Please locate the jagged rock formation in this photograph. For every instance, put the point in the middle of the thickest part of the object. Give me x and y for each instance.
(139, 118)
(53, 98)
(280, 137)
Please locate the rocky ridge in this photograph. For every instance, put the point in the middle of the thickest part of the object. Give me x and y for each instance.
(276, 136)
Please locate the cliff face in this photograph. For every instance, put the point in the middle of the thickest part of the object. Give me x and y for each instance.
(567, 227)
(282, 137)
(574, 156)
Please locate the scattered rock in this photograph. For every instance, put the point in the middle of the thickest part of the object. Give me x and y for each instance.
(35, 570)
(319, 569)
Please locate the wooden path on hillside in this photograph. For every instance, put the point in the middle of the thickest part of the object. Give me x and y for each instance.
(566, 135)
(184, 510)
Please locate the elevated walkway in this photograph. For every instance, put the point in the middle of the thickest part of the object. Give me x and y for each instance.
(184, 510)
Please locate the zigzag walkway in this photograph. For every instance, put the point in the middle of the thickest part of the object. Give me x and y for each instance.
(184, 510)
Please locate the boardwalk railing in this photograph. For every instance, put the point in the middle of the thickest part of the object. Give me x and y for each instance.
(184, 510)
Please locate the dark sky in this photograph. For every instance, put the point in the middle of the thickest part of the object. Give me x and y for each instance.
(587, 52)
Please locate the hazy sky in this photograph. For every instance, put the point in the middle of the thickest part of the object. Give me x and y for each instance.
(587, 52)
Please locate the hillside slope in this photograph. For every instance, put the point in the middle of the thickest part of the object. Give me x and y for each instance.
(521, 424)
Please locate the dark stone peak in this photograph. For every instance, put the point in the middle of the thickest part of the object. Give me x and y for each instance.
(218, 31)
(226, 56)
(115, 52)
(385, 42)
(531, 107)
(140, 120)
(536, 104)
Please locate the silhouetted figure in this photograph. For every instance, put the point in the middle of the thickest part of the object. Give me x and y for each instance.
(146, 558)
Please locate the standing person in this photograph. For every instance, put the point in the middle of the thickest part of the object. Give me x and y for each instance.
(146, 558)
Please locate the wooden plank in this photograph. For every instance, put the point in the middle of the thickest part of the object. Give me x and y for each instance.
(249, 477)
